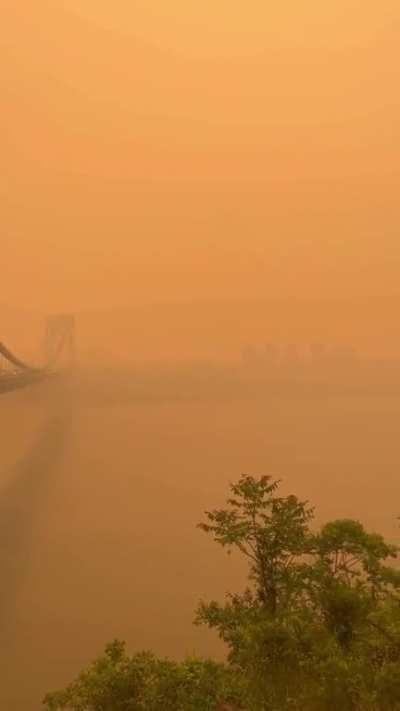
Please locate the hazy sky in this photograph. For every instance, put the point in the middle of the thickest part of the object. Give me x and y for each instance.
(230, 171)
(171, 150)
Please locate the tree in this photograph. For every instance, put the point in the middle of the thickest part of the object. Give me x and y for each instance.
(351, 576)
(119, 682)
(261, 626)
(317, 628)
(272, 532)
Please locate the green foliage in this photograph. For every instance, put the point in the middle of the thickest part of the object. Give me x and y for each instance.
(350, 577)
(119, 682)
(272, 532)
(317, 628)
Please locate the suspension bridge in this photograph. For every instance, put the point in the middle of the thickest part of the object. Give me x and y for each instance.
(58, 352)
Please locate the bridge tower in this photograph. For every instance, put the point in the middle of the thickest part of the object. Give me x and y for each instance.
(59, 340)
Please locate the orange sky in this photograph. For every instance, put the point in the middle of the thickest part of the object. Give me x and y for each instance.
(172, 150)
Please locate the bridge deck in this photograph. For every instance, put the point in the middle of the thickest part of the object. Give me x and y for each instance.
(15, 381)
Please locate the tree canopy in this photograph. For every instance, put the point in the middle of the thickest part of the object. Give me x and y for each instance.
(317, 628)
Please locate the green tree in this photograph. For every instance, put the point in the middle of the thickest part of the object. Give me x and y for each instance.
(119, 682)
(316, 629)
(272, 532)
(351, 577)
(263, 625)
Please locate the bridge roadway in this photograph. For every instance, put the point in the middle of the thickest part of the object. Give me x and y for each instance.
(15, 381)
(16, 374)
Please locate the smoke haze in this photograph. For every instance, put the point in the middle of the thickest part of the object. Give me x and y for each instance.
(212, 188)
